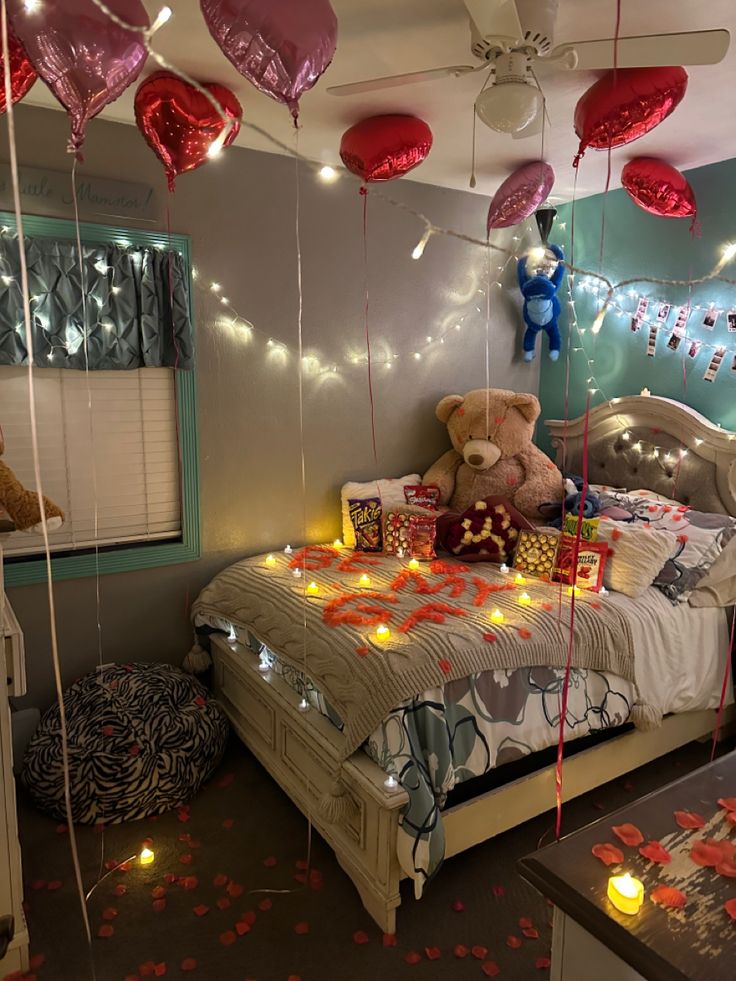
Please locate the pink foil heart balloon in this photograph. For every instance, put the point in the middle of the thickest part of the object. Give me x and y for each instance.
(85, 58)
(520, 194)
(281, 46)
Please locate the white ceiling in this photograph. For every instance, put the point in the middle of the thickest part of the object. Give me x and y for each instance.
(383, 37)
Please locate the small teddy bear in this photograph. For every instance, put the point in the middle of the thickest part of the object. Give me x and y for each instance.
(22, 505)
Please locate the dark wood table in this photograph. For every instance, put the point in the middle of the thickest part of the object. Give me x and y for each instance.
(591, 939)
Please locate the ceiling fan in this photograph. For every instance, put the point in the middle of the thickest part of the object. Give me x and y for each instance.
(514, 37)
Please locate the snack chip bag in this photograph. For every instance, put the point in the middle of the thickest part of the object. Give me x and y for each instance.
(365, 515)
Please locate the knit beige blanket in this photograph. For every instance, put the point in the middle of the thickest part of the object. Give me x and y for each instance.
(439, 619)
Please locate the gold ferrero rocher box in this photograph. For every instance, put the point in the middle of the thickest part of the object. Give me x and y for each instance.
(536, 552)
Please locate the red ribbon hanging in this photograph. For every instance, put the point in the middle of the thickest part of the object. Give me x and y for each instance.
(724, 690)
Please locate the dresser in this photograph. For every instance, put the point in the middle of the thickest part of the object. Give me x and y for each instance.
(12, 682)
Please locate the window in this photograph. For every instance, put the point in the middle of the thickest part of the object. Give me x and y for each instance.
(117, 452)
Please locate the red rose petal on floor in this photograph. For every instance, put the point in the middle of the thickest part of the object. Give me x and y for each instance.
(301, 928)
(412, 957)
(189, 882)
(480, 953)
(706, 854)
(234, 889)
(38, 884)
(458, 905)
(656, 853)
(301, 878)
(131, 977)
(490, 969)
(608, 854)
(362, 651)
(106, 930)
(54, 885)
(460, 950)
(265, 905)
(241, 928)
(160, 969)
(490, 638)
(62, 829)
(668, 896)
(730, 908)
(170, 877)
(124, 867)
(360, 937)
(220, 880)
(228, 823)
(525, 635)
(728, 802)
(182, 815)
(225, 781)
(249, 917)
(201, 910)
(270, 862)
(525, 923)
(185, 859)
(498, 891)
(228, 937)
(223, 903)
(444, 665)
(37, 961)
(689, 819)
(541, 963)
(433, 953)
(390, 940)
(147, 969)
(513, 942)
(188, 964)
(531, 933)
(727, 869)
(185, 836)
(629, 834)
(110, 913)
(158, 892)
(294, 977)
(159, 905)
(302, 864)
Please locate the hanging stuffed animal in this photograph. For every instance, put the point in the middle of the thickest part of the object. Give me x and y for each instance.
(541, 306)
(22, 505)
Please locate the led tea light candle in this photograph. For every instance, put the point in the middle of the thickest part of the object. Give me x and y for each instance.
(574, 591)
(382, 632)
(364, 581)
(297, 573)
(303, 705)
(270, 561)
(414, 563)
(312, 588)
(603, 591)
(525, 600)
(391, 783)
(497, 616)
(146, 856)
(504, 569)
(337, 543)
(626, 893)
(519, 579)
(288, 550)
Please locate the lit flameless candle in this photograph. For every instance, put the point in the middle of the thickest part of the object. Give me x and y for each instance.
(519, 579)
(288, 550)
(337, 543)
(312, 588)
(391, 783)
(574, 591)
(414, 563)
(626, 893)
(146, 856)
(525, 599)
(382, 632)
(364, 581)
(270, 561)
(497, 616)
(504, 569)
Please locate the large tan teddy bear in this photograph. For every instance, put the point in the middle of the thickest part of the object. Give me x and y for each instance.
(22, 505)
(491, 432)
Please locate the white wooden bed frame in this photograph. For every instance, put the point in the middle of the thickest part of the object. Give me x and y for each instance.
(301, 751)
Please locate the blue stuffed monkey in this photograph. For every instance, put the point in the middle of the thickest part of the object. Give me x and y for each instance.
(541, 306)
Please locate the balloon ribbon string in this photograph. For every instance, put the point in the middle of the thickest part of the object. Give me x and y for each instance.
(724, 688)
(571, 641)
(616, 34)
(175, 340)
(364, 195)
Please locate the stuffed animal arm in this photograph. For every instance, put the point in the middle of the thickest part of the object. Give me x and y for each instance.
(541, 305)
(22, 505)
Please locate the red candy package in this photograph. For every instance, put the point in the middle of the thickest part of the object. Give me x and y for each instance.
(423, 495)
(422, 533)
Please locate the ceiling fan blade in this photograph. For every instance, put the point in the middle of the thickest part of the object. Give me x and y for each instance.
(394, 81)
(691, 48)
(494, 18)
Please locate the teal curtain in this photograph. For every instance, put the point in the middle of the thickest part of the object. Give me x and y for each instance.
(135, 314)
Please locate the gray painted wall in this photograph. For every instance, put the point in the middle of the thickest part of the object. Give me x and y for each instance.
(240, 213)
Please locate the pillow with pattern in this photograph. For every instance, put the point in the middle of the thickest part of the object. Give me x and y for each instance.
(701, 537)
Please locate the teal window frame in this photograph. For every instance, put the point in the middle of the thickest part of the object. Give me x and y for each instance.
(131, 557)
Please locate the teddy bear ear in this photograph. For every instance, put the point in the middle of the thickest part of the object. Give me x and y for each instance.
(447, 405)
(527, 404)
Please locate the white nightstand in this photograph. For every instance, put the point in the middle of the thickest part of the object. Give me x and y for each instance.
(12, 682)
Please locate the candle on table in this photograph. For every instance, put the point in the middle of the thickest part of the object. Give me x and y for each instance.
(364, 581)
(497, 616)
(626, 893)
(414, 563)
(382, 632)
(525, 599)
(312, 588)
(519, 579)
(270, 561)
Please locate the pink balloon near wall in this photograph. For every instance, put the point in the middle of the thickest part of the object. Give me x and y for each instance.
(520, 195)
(85, 58)
(280, 46)
(658, 188)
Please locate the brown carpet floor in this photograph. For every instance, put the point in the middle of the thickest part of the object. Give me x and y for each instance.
(244, 832)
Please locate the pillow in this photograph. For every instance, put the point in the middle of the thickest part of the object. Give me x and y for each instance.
(635, 555)
(718, 585)
(391, 492)
(701, 538)
(651, 495)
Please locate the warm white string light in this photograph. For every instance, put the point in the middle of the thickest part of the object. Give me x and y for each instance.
(419, 248)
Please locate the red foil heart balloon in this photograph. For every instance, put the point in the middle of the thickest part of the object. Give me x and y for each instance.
(22, 72)
(382, 148)
(659, 188)
(180, 124)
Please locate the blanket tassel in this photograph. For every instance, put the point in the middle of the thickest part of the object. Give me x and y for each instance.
(645, 717)
(197, 660)
(336, 806)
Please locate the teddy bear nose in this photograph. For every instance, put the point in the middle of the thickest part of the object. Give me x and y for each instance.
(475, 459)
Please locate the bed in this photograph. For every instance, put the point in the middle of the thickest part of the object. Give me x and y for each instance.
(375, 760)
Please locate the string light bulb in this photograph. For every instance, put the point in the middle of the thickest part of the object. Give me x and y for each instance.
(216, 146)
(418, 250)
(327, 174)
(163, 16)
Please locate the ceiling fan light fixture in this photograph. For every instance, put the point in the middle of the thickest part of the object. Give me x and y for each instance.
(509, 107)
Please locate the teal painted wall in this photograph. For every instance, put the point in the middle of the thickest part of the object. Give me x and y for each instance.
(639, 244)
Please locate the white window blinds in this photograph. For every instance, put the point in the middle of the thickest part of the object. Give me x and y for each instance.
(112, 468)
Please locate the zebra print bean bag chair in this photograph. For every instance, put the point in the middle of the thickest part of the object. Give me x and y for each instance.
(143, 738)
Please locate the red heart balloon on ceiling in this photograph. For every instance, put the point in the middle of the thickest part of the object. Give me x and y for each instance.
(180, 124)
(22, 72)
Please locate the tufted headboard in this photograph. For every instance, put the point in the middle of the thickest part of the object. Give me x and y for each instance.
(643, 441)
